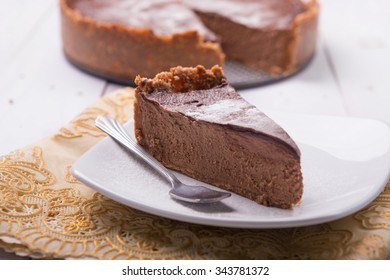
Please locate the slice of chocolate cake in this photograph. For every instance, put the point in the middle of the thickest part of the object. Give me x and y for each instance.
(193, 121)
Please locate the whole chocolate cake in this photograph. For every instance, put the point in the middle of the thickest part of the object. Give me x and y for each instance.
(123, 38)
(193, 121)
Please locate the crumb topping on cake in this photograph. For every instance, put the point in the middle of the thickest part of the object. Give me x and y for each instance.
(183, 79)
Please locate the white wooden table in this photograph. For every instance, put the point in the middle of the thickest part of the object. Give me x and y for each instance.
(40, 91)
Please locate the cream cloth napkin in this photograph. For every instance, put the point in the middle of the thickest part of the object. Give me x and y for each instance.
(47, 213)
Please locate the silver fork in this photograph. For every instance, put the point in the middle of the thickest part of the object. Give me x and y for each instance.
(179, 190)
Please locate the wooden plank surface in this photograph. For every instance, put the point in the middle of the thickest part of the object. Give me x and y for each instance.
(357, 36)
(19, 21)
(40, 90)
(311, 91)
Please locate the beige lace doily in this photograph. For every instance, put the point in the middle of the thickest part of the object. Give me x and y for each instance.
(47, 213)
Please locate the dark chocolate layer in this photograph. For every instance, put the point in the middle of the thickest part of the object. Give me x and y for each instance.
(166, 17)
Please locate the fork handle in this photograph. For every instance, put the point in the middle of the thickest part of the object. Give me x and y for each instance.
(116, 130)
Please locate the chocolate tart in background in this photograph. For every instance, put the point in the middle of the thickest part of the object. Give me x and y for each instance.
(258, 40)
(193, 121)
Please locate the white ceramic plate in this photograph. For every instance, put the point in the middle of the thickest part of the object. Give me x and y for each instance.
(345, 165)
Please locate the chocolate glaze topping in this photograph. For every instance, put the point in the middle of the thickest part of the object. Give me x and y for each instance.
(253, 13)
(166, 17)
